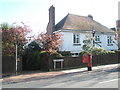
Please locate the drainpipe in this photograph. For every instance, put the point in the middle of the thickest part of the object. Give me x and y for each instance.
(93, 33)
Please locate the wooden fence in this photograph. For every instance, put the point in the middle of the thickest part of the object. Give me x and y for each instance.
(77, 61)
(9, 65)
(9, 62)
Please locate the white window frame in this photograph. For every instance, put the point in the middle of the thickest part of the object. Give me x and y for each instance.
(109, 41)
(97, 38)
(75, 54)
(76, 38)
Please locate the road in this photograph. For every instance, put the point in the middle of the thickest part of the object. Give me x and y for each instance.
(86, 79)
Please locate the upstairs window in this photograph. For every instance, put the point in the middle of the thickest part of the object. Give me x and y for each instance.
(97, 38)
(76, 38)
(109, 41)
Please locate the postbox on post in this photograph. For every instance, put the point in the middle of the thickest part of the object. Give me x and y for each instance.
(89, 62)
(87, 59)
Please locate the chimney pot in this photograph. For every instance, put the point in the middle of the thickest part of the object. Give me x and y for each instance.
(90, 16)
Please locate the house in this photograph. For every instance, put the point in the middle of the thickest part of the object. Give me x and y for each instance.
(118, 31)
(77, 28)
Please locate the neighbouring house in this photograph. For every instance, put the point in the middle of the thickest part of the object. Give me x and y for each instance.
(77, 28)
(118, 31)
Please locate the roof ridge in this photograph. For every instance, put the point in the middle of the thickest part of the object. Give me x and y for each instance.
(78, 15)
(77, 22)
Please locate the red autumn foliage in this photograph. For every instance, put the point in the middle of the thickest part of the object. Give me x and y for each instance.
(50, 43)
(9, 36)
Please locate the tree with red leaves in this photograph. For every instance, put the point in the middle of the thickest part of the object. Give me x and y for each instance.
(50, 43)
(12, 34)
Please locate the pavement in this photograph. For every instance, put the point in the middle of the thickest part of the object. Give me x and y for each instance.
(44, 75)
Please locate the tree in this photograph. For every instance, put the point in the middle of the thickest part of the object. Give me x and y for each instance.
(5, 26)
(89, 48)
(118, 37)
(33, 46)
(12, 34)
(50, 43)
(88, 42)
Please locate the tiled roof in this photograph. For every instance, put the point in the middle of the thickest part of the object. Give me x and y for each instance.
(75, 22)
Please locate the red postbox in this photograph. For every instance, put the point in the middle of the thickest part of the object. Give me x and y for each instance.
(87, 59)
(89, 62)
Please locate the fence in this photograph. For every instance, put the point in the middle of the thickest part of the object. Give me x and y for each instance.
(105, 59)
(9, 65)
(77, 61)
(9, 62)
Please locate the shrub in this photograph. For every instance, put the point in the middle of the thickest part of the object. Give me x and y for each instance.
(100, 51)
(110, 52)
(31, 61)
(97, 51)
(117, 51)
(65, 53)
(84, 53)
(57, 56)
(35, 60)
(42, 52)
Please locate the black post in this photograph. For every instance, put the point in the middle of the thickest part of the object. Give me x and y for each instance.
(89, 68)
(93, 37)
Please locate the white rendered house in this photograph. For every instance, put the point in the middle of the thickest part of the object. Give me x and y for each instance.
(76, 28)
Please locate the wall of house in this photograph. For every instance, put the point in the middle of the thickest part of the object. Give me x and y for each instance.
(69, 46)
(103, 40)
(68, 43)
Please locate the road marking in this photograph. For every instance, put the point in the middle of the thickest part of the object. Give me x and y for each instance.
(109, 80)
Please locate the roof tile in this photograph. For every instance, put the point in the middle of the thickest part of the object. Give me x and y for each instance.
(76, 22)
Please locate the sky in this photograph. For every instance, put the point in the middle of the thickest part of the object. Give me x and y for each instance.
(35, 12)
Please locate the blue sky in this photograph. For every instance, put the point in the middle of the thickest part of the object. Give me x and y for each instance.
(35, 12)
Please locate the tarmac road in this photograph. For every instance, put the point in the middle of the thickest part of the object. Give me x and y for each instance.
(99, 78)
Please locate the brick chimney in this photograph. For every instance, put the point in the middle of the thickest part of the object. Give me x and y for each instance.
(51, 23)
(118, 24)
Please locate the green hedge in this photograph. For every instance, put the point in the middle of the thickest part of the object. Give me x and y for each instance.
(31, 61)
(38, 60)
(117, 51)
(98, 51)
(65, 53)
(56, 56)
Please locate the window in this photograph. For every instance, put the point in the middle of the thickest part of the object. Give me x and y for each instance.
(109, 41)
(75, 54)
(97, 38)
(76, 38)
